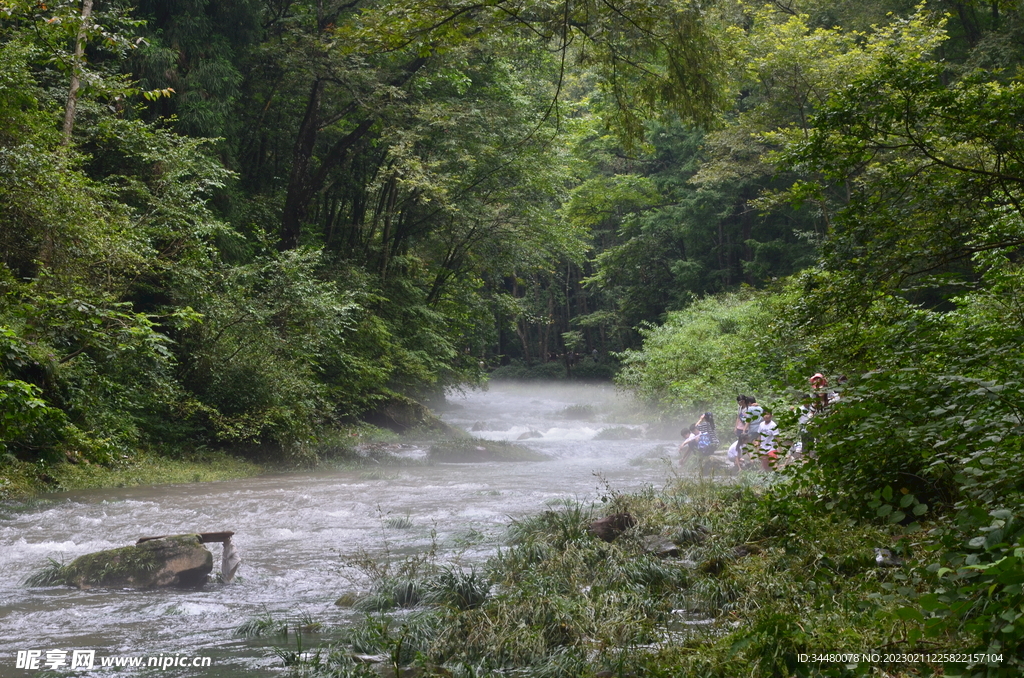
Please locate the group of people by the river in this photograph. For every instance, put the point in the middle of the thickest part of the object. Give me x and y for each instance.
(756, 432)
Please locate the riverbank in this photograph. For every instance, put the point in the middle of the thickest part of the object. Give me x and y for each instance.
(20, 480)
(712, 580)
(299, 534)
(356, 447)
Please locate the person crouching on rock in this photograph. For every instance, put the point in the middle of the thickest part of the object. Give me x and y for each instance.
(689, 444)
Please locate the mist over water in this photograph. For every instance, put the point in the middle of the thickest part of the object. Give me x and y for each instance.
(295, 531)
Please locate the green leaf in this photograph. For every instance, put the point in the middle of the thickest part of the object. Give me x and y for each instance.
(910, 614)
(930, 602)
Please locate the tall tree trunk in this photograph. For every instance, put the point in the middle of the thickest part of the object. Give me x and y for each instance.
(303, 185)
(391, 198)
(76, 73)
(523, 330)
(297, 200)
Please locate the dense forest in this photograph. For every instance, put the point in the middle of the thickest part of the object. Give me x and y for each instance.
(242, 224)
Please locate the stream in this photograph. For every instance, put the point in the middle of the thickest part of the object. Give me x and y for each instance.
(298, 533)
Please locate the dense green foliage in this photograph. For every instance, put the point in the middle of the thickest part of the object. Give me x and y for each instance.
(260, 220)
(239, 224)
(706, 354)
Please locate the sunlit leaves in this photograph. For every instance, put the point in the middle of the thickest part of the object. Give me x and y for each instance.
(154, 94)
(703, 355)
(918, 167)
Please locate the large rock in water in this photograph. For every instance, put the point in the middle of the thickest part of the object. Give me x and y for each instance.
(178, 561)
(401, 414)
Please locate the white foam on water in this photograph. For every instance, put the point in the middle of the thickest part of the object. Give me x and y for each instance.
(295, 532)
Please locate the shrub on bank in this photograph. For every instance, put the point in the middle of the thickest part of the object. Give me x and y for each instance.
(705, 354)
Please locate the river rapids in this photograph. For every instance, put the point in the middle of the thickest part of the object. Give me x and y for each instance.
(298, 534)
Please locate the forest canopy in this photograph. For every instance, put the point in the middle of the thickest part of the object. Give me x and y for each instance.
(239, 224)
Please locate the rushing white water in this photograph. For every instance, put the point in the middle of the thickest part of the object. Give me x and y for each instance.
(295, 532)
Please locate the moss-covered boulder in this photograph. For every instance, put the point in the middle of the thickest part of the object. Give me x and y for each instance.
(176, 561)
(401, 414)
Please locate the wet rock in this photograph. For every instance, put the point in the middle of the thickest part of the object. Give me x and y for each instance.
(610, 527)
(660, 546)
(479, 426)
(578, 412)
(885, 558)
(470, 450)
(530, 434)
(401, 414)
(712, 566)
(176, 561)
(619, 433)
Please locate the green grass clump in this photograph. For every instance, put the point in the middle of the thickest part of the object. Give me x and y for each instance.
(18, 479)
(458, 588)
(559, 527)
(392, 593)
(267, 625)
(51, 574)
